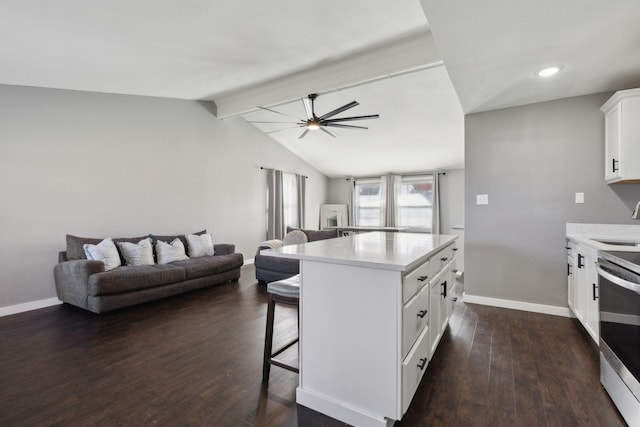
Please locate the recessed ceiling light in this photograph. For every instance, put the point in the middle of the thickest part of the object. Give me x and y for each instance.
(548, 71)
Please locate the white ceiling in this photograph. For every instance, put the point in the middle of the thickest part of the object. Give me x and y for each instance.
(492, 48)
(244, 53)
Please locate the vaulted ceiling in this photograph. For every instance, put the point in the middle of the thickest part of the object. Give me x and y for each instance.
(418, 63)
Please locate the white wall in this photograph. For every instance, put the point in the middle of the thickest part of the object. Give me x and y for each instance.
(99, 165)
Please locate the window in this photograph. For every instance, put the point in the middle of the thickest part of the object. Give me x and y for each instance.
(369, 202)
(414, 201)
(290, 200)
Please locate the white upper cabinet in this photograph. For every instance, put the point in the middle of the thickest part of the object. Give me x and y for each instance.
(622, 137)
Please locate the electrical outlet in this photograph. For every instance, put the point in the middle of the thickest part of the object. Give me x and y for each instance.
(579, 197)
(482, 199)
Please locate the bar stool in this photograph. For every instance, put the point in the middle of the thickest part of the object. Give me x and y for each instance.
(285, 291)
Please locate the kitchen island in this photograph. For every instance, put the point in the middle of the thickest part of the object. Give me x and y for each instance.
(373, 307)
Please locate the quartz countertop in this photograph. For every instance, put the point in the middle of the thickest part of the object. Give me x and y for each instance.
(590, 234)
(384, 250)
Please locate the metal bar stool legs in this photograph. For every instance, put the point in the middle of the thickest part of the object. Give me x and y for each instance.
(285, 291)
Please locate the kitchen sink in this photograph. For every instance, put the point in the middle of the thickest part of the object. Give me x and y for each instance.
(619, 242)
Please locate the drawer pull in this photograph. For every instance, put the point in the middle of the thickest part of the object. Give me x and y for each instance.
(422, 278)
(444, 259)
(423, 363)
(422, 313)
(454, 249)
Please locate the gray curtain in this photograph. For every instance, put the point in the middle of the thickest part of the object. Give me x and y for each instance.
(301, 186)
(275, 205)
(435, 226)
(391, 182)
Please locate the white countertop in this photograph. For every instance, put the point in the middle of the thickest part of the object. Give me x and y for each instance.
(590, 234)
(384, 250)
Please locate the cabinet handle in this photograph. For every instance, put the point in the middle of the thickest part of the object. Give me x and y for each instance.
(614, 168)
(423, 363)
(444, 287)
(422, 278)
(580, 263)
(568, 269)
(444, 259)
(594, 291)
(454, 249)
(422, 313)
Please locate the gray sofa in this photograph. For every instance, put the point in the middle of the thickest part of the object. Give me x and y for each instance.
(270, 269)
(86, 284)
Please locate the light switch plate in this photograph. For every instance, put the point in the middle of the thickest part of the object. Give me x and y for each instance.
(579, 197)
(482, 199)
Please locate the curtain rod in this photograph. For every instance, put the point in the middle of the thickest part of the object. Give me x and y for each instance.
(401, 174)
(271, 169)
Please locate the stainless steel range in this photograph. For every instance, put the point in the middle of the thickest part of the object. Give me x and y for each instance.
(619, 289)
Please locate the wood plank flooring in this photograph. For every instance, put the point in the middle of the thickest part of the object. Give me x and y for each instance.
(195, 360)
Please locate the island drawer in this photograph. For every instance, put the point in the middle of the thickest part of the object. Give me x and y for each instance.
(414, 367)
(415, 317)
(414, 281)
(441, 259)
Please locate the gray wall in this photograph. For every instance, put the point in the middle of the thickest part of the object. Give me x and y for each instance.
(103, 165)
(531, 161)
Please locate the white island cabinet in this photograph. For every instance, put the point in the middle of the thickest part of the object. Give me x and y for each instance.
(366, 326)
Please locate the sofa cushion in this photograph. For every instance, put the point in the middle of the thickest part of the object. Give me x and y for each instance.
(75, 246)
(209, 265)
(313, 235)
(282, 265)
(127, 279)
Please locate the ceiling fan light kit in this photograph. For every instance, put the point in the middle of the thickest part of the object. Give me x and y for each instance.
(313, 122)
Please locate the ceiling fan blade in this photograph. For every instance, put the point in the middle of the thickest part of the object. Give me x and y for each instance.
(288, 123)
(278, 130)
(278, 112)
(303, 134)
(347, 119)
(336, 125)
(308, 108)
(339, 110)
(325, 130)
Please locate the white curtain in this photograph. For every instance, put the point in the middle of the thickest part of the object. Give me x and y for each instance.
(391, 183)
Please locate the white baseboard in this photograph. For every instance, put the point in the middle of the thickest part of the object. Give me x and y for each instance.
(249, 261)
(517, 305)
(28, 306)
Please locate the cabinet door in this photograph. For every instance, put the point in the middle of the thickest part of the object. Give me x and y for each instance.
(434, 316)
(592, 321)
(580, 295)
(445, 300)
(612, 151)
(570, 283)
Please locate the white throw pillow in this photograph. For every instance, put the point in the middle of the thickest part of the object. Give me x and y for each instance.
(169, 252)
(295, 237)
(104, 251)
(137, 254)
(200, 245)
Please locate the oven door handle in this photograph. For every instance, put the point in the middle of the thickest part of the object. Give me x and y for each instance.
(617, 280)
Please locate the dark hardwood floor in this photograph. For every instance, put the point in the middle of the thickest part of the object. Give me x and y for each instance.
(195, 360)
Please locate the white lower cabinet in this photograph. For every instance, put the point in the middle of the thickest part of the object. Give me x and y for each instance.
(582, 282)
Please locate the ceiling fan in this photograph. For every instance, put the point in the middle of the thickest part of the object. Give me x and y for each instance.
(313, 122)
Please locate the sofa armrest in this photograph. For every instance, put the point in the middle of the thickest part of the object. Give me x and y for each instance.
(224, 248)
(72, 280)
(270, 244)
